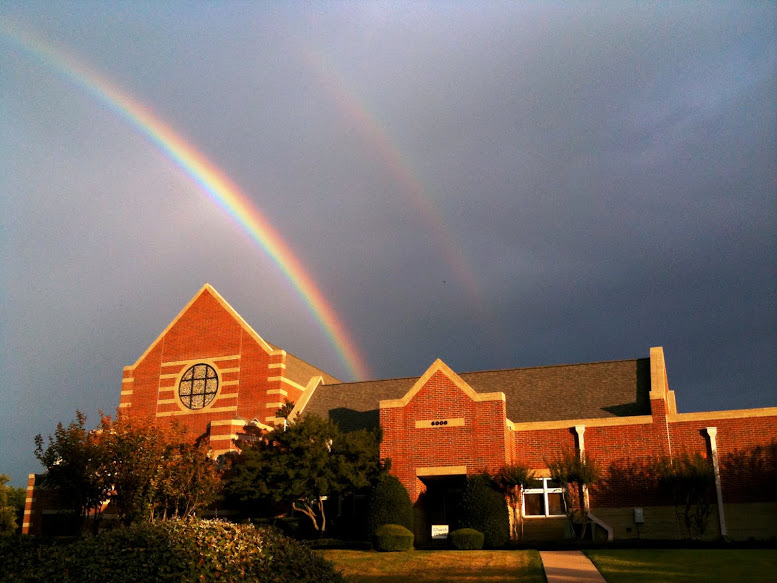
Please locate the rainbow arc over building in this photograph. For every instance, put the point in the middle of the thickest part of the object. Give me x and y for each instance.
(210, 180)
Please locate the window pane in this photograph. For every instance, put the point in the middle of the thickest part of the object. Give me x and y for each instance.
(533, 505)
(553, 484)
(555, 504)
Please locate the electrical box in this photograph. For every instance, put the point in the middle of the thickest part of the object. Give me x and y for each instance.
(639, 516)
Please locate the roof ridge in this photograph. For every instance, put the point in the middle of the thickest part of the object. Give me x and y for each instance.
(492, 370)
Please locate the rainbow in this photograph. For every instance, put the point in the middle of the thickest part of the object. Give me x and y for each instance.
(377, 136)
(210, 180)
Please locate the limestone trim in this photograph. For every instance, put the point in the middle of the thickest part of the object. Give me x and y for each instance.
(286, 381)
(281, 365)
(280, 392)
(303, 399)
(213, 358)
(127, 392)
(273, 405)
(240, 422)
(439, 423)
(122, 405)
(127, 380)
(230, 437)
(659, 385)
(207, 288)
(439, 366)
(441, 471)
(715, 415)
(569, 423)
(196, 411)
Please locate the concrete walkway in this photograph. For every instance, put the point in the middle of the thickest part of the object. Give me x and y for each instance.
(569, 567)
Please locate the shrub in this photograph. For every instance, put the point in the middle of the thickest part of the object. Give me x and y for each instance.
(484, 508)
(466, 539)
(170, 551)
(393, 537)
(389, 504)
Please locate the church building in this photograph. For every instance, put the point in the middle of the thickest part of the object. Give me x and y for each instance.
(212, 372)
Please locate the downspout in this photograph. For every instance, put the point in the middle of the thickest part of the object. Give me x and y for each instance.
(712, 432)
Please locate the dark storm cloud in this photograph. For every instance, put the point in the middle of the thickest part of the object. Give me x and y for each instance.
(608, 172)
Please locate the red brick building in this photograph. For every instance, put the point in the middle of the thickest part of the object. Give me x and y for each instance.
(210, 370)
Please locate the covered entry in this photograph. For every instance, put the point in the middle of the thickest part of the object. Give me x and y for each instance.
(438, 504)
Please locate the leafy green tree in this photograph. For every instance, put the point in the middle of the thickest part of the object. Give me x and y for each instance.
(75, 462)
(576, 473)
(483, 508)
(305, 464)
(389, 504)
(511, 480)
(8, 523)
(284, 411)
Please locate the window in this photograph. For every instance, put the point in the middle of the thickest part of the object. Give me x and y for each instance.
(546, 498)
(198, 386)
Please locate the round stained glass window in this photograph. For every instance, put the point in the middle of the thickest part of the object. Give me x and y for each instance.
(198, 386)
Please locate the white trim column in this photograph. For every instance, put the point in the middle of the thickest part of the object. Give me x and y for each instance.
(712, 432)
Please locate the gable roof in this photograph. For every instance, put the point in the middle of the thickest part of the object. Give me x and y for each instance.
(297, 369)
(549, 393)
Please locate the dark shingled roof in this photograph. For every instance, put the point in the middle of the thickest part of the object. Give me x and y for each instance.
(548, 393)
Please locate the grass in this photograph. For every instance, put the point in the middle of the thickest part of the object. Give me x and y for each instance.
(703, 565)
(438, 566)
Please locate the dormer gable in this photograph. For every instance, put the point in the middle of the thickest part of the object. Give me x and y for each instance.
(438, 366)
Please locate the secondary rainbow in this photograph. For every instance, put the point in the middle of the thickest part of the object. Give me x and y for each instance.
(355, 110)
(211, 181)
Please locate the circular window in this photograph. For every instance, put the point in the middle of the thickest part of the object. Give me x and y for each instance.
(198, 386)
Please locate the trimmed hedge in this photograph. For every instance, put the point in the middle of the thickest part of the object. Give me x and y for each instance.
(466, 539)
(484, 509)
(389, 504)
(393, 537)
(173, 551)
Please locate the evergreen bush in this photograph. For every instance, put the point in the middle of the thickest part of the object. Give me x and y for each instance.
(171, 551)
(389, 504)
(484, 509)
(466, 539)
(393, 537)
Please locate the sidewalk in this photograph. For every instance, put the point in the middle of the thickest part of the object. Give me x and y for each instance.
(569, 567)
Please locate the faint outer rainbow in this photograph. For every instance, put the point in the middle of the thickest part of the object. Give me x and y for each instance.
(210, 180)
(370, 127)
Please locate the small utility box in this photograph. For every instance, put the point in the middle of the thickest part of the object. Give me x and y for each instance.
(639, 516)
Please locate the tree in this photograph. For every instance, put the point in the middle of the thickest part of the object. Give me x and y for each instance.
(188, 481)
(285, 410)
(304, 464)
(141, 467)
(389, 504)
(483, 507)
(690, 481)
(75, 461)
(512, 479)
(7, 511)
(576, 473)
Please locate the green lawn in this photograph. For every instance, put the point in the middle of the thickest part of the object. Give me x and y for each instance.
(703, 565)
(438, 566)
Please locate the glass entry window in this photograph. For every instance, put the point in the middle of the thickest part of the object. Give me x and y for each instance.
(545, 499)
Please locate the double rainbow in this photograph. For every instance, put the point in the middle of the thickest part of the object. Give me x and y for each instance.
(210, 180)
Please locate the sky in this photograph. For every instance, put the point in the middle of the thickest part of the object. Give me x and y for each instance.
(494, 184)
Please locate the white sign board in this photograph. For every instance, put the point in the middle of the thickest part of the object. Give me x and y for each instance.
(439, 531)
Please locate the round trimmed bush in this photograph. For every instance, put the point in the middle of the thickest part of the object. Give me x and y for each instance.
(393, 537)
(484, 509)
(389, 504)
(466, 539)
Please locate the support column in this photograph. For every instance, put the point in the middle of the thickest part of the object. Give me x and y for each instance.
(712, 432)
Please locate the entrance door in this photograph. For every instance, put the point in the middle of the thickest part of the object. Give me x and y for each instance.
(439, 506)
